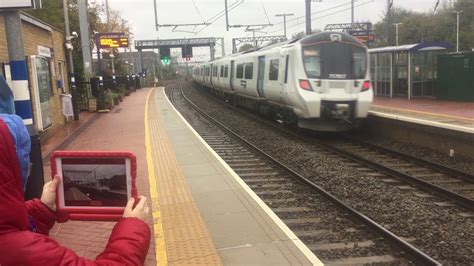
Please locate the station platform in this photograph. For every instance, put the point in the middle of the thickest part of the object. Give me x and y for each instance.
(202, 212)
(207, 213)
(450, 115)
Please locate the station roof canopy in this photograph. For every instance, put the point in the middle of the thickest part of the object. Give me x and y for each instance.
(417, 47)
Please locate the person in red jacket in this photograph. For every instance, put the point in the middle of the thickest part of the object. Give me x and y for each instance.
(24, 226)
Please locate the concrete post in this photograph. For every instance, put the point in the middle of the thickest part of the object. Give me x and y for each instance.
(21, 95)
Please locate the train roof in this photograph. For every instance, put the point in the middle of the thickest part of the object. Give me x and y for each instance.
(328, 36)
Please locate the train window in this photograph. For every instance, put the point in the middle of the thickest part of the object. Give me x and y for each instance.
(240, 71)
(312, 61)
(273, 74)
(359, 62)
(286, 68)
(222, 71)
(226, 71)
(249, 71)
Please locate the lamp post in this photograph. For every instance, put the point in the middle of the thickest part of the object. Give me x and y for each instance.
(396, 32)
(457, 30)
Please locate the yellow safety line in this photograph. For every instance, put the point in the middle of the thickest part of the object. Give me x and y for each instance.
(160, 245)
(421, 112)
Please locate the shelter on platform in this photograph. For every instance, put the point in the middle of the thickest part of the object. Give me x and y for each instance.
(406, 70)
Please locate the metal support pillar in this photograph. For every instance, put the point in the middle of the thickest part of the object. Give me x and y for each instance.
(308, 17)
(352, 15)
(72, 77)
(212, 51)
(21, 95)
(112, 50)
(85, 38)
(223, 47)
(226, 17)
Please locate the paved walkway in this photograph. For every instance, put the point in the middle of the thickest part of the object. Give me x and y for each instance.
(462, 110)
(122, 129)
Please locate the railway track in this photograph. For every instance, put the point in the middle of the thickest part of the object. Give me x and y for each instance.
(393, 167)
(333, 230)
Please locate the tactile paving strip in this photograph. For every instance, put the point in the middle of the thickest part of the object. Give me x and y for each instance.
(186, 237)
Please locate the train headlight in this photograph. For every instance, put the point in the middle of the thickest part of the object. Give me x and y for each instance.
(305, 85)
(366, 86)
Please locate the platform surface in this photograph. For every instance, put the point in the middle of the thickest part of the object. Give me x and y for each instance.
(208, 215)
(445, 114)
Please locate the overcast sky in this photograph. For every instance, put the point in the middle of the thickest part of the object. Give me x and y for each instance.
(140, 15)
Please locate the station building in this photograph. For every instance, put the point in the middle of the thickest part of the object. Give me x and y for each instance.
(47, 80)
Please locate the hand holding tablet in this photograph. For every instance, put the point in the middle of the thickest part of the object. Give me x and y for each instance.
(94, 185)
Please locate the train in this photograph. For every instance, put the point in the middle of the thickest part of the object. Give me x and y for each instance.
(319, 82)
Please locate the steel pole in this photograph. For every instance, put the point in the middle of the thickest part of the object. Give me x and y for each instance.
(72, 77)
(85, 38)
(308, 17)
(457, 30)
(112, 50)
(352, 15)
(21, 95)
(226, 16)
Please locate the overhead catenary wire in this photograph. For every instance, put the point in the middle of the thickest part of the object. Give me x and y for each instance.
(326, 15)
(197, 9)
(265, 11)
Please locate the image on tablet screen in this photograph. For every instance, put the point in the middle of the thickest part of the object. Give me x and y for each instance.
(97, 182)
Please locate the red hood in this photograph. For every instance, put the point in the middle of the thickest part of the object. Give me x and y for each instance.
(13, 214)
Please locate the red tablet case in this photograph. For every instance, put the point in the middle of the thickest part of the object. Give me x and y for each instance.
(91, 213)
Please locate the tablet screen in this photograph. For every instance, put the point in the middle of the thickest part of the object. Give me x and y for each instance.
(94, 182)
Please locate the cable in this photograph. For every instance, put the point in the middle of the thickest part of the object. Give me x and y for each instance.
(237, 3)
(197, 9)
(265, 11)
(327, 15)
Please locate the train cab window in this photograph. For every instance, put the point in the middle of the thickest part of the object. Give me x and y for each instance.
(340, 61)
(226, 71)
(240, 71)
(359, 62)
(273, 74)
(249, 71)
(312, 61)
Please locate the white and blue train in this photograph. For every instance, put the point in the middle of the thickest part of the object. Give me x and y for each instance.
(320, 82)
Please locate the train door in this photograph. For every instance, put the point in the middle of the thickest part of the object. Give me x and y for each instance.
(261, 75)
(232, 75)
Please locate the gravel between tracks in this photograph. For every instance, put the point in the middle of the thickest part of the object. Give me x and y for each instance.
(456, 162)
(440, 232)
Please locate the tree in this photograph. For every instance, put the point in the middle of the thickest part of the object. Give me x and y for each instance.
(418, 27)
(245, 47)
(52, 13)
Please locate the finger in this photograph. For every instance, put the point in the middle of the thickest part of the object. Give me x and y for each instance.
(130, 203)
(55, 182)
(142, 202)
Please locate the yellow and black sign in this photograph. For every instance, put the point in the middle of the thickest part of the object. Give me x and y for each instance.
(113, 41)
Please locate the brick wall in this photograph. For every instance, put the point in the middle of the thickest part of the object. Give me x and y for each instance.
(34, 36)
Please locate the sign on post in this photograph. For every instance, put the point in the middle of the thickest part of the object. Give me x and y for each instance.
(113, 40)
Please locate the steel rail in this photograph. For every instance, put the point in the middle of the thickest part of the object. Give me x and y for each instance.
(439, 167)
(415, 253)
(421, 184)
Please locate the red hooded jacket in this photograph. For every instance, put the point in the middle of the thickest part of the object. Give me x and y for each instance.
(128, 243)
